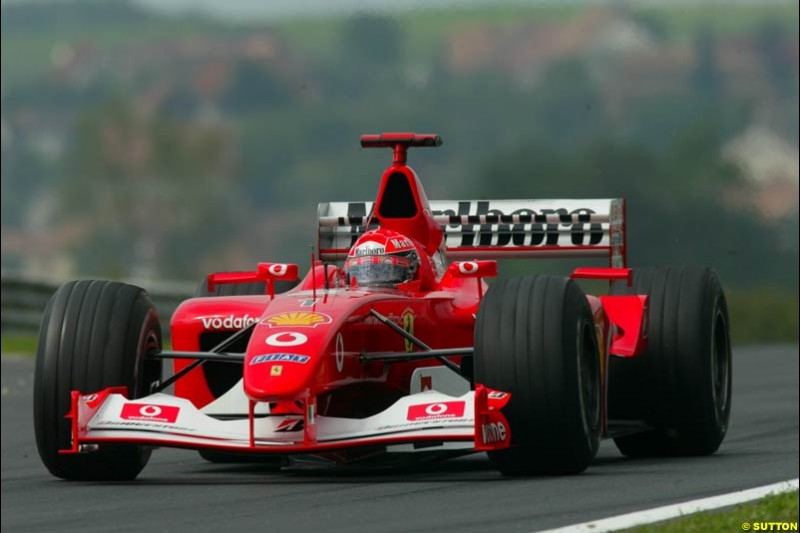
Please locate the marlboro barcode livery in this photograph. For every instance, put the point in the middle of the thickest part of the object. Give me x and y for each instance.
(394, 343)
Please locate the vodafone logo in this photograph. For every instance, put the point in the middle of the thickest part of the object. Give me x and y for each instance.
(436, 411)
(150, 410)
(228, 322)
(278, 269)
(166, 414)
(493, 432)
(267, 271)
(468, 267)
(286, 338)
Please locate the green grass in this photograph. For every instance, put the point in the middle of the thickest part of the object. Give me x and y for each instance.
(763, 315)
(19, 344)
(25, 344)
(775, 508)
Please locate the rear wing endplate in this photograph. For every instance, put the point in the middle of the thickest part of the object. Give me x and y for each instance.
(497, 229)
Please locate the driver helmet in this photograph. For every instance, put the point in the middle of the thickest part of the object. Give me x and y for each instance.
(382, 258)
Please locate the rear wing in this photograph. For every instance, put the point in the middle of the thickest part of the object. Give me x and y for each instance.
(497, 229)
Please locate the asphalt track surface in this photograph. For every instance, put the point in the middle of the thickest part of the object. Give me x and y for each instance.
(178, 491)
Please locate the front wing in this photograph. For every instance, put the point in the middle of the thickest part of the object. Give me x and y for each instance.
(473, 421)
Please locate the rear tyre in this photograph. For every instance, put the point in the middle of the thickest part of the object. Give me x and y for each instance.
(681, 385)
(535, 338)
(94, 335)
(228, 373)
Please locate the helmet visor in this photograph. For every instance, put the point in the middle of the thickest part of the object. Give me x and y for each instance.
(379, 271)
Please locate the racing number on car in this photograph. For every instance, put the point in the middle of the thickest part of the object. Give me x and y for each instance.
(408, 325)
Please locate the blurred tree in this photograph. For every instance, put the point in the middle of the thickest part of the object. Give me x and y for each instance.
(772, 42)
(369, 59)
(528, 121)
(567, 104)
(372, 40)
(24, 17)
(654, 24)
(675, 211)
(24, 177)
(56, 97)
(181, 103)
(254, 86)
(139, 180)
(705, 77)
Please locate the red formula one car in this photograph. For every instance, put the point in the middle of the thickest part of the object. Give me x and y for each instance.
(386, 350)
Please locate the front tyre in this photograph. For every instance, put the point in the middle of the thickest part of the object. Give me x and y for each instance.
(535, 338)
(94, 335)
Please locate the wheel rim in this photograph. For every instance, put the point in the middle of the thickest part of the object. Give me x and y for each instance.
(148, 369)
(720, 364)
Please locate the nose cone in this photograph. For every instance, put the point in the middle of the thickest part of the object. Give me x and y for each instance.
(285, 355)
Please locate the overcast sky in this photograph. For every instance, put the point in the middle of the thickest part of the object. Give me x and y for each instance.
(249, 9)
(293, 8)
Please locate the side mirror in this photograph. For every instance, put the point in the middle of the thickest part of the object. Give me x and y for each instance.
(266, 272)
(473, 269)
(277, 271)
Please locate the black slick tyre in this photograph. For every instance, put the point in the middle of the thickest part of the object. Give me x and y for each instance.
(94, 335)
(535, 338)
(681, 385)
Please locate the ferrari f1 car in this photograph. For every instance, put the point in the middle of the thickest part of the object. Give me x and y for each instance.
(393, 345)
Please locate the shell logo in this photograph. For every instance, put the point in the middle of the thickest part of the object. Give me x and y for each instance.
(297, 318)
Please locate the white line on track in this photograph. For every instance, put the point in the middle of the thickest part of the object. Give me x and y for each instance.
(667, 512)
